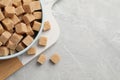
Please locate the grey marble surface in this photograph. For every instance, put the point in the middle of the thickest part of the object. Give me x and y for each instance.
(85, 44)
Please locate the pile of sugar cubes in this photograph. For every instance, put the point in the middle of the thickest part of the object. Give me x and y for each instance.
(20, 21)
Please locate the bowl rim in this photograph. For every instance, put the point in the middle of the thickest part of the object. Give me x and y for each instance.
(28, 47)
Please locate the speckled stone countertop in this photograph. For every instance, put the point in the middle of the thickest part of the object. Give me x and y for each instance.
(84, 45)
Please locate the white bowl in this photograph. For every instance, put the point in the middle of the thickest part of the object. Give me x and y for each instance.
(36, 38)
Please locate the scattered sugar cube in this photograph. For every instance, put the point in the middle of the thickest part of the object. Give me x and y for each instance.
(41, 59)
(55, 58)
(43, 41)
(46, 26)
(36, 26)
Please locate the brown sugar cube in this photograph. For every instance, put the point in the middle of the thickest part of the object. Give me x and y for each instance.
(16, 38)
(8, 23)
(4, 51)
(1, 29)
(1, 15)
(4, 3)
(28, 18)
(43, 41)
(46, 26)
(37, 15)
(21, 28)
(36, 26)
(12, 51)
(19, 10)
(55, 58)
(15, 19)
(5, 37)
(41, 59)
(9, 11)
(20, 47)
(27, 8)
(16, 3)
(26, 1)
(27, 40)
(11, 45)
(29, 30)
(31, 51)
(31, 7)
(36, 5)
(0, 43)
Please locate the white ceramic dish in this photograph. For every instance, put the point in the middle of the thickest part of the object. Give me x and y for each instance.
(36, 38)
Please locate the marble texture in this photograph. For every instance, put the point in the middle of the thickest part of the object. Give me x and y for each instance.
(87, 44)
